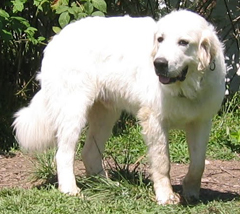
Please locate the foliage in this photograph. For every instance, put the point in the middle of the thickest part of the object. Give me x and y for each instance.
(77, 11)
(224, 141)
(25, 28)
(133, 8)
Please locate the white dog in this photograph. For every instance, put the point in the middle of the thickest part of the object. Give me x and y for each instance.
(170, 74)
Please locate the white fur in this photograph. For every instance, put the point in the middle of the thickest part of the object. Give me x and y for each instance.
(96, 67)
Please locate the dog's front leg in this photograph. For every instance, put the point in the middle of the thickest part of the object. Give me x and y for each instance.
(197, 139)
(158, 153)
(156, 136)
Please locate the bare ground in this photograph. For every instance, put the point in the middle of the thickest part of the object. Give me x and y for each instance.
(221, 179)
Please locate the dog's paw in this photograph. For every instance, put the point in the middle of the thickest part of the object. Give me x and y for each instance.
(73, 191)
(191, 198)
(172, 198)
(191, 193)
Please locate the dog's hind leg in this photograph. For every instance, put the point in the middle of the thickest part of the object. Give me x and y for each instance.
(101, 120)
(71, 119)
(197, 139)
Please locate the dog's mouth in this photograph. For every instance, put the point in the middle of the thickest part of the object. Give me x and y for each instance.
(167, 80)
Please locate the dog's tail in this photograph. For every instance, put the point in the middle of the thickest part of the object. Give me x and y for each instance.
(32, 126)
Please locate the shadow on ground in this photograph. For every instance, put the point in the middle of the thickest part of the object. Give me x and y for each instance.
(209, 195)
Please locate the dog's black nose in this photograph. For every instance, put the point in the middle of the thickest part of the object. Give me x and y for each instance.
(161, 66)
(161, 63)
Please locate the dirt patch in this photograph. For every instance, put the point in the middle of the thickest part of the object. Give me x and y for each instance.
(221, 179)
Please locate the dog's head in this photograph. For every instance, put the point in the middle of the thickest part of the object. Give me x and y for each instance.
(185, 42)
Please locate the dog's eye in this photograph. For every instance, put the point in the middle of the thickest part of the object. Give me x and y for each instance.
(160, 39)
(183, 42)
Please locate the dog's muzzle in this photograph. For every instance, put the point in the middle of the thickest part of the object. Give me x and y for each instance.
(161, 69)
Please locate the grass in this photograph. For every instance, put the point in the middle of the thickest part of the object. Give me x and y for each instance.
(225, 138)
(128, 192)
(104, 196)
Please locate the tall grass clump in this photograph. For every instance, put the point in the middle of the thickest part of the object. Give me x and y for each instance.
(45, 166)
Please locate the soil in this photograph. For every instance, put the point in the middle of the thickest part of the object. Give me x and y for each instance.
(220, 181)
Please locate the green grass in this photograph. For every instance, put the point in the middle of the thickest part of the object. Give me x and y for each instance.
(225, 137)
(104, 196)
(128, 192)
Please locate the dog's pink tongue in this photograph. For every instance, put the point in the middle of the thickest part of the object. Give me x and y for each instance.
(164, 80)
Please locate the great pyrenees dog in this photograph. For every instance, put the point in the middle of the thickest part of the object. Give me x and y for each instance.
(169, 74)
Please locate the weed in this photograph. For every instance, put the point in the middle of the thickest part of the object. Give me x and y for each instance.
(45, 167)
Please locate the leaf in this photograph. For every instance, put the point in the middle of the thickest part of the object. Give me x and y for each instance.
(71, 10)
(100, 5)
(81, 15)
(18, 6)
(98, 13)
(41, 39)
(61, 9)
(64, 19)
(21, 20)
(39, 4)
(88, 7)
(64, 2)
(4, 14)
(75, 10)
(56, 29)
(30, 30)
(59, 3)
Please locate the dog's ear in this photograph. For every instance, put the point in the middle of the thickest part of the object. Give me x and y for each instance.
(206, 50)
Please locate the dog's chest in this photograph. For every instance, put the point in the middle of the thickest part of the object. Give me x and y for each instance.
(177, 112)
